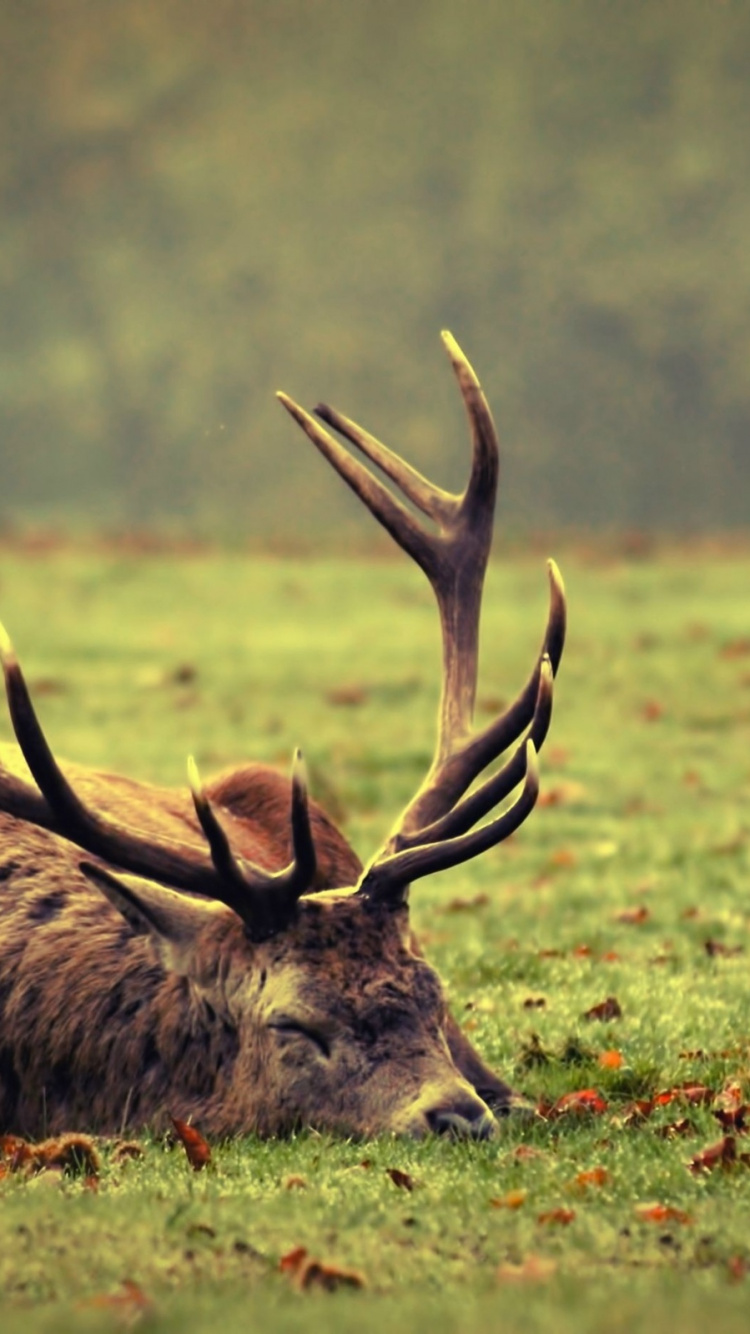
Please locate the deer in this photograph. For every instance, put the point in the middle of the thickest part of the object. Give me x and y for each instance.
(221, 954)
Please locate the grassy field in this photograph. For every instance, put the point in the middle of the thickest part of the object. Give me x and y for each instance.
(632, 881)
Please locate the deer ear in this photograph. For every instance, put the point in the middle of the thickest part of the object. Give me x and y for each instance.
(173, 921)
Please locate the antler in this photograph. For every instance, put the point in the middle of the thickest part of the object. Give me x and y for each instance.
(432, 832)
(264, 900)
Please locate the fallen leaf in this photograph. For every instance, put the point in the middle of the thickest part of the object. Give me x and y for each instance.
(534, 1269)
(514, 1199)
(721, 1154)
(315, 1274)
(561, 1216)
(634, 916)
(582, 952)
(610, 1060)
(677, 1129)
(735, 648)
(578, 1103)
(737, 1267)
(290, 1263)
(563, 857)
(126, 1150)
(661, 1213)
(610, 956)
(348, 696)
(131, 1303)
(525, 1152)
(652, 711)
(75, 1155)
(294, 1183)
(594, 1176)
(306, 1272)
(400, 1179)
(717, 949)
(605, 1011)
(467, 905)
(197, 1150)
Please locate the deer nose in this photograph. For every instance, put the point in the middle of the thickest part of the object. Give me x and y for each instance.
(462, 1118)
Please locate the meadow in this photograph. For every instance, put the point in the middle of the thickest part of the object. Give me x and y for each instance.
(630, 884)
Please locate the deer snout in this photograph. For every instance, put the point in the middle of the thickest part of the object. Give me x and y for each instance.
(457, 1112)
(465, 1118)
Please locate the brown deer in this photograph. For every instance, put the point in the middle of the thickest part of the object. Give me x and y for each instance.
(270, 981)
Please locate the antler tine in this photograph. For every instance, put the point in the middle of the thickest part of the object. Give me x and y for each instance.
(59, 809)
(394, 516)
(387, 877)
(271, 896)
(464, 815)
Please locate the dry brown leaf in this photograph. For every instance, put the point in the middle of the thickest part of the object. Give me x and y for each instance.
(735, 648)
(652, 711)
(130, 1304)
(560, 1216)
(717, 949)
(75, 1155)
(514, 1199)
(467, 905)
(653, 1212)
(400, 1179)
(306, 1272)
(534, 1269)
(580, 1102)
(348, 696)
(125, 1150)
(721, 1154)
(294, 1183)
(593, 1176)
(611, 1060)
(197, 1150)
(605, 1011)
(634, 916)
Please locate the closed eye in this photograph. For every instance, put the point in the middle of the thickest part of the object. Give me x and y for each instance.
(294, 1027)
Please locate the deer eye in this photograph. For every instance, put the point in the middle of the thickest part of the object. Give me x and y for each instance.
(297, 1029)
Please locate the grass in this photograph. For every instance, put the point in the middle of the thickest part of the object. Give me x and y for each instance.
(647, 780)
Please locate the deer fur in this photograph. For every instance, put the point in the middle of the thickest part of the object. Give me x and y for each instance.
(109, 1023)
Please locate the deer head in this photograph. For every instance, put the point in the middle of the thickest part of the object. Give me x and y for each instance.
(315, 1001)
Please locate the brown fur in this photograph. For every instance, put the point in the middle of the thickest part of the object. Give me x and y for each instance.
(110, 1019)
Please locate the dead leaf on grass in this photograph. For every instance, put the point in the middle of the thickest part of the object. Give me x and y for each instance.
(593, 1176)
(197, 1150)
(581, 1102)
(76, 1155)
(534, 1269)
(400, 1179)
(467, 905)
(721, 1154)
(717, 949)
(514, 1199)
(306, 1272)
(634, 916)
(653, 1212)
(562, 1217)
(610, 1060)
(605, 1011)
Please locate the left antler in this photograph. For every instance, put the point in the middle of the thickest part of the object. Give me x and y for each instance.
(265, 900)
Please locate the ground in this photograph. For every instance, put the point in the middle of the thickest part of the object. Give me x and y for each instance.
(630, 881)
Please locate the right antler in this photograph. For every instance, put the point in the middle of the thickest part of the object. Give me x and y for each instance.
(432, 834)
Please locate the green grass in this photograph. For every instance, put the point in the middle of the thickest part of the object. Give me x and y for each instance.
(138, 662)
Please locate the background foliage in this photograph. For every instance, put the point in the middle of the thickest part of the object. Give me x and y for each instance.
(202, 202)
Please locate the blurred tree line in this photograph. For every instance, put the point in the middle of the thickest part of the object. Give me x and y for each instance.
(204, 200)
